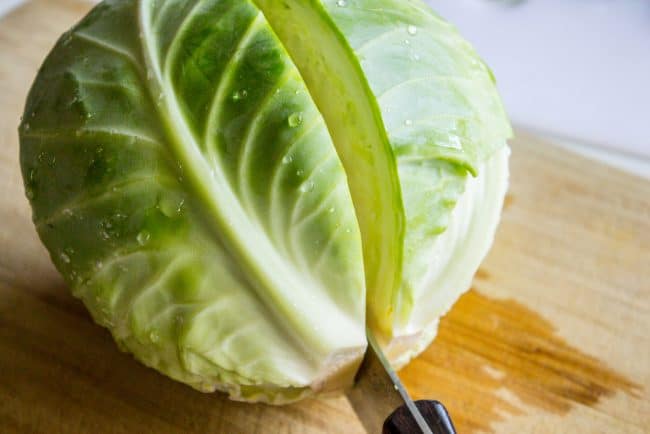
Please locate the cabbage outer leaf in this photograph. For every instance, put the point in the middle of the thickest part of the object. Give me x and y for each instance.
(188, 189)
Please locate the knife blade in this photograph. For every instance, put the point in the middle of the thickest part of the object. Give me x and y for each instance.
(384, 405)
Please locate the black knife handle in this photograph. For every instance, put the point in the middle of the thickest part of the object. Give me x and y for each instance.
(434, 413)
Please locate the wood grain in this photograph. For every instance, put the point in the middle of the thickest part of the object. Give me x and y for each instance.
(553, 337)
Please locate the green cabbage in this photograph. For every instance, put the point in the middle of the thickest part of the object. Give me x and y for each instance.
(234, 188)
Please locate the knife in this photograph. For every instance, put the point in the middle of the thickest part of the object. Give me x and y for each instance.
(383, 404)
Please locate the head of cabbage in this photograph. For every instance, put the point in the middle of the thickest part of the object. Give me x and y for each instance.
(236, 189)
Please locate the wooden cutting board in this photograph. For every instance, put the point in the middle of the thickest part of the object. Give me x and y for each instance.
(553, 337)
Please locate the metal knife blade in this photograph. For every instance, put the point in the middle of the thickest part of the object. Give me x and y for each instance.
(378, 391)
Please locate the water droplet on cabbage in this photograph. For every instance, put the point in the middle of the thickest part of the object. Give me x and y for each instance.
(111, 227)
(287, 159)
(143, 237)
(239, 94)
(307, 187)
(171, 206)
(295, 120)
(154, 336)
(64, 257)
(341, 3)
(300, 172)
(408, 122)
(412, 30)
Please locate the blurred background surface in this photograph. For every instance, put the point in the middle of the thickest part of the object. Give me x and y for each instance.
(574, 71)
(577, 71)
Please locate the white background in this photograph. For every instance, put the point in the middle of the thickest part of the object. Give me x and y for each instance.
(578, 70)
